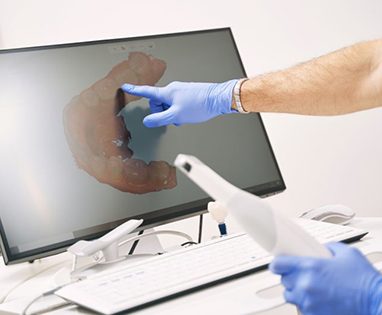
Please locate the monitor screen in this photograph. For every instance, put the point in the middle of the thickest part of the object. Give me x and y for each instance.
(78, 161)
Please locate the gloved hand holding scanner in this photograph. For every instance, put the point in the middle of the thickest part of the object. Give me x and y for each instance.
(358, 284)
(346, 284)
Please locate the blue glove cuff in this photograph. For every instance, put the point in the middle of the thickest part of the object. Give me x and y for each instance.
(222, 97)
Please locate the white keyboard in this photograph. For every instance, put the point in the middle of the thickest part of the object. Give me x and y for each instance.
(135, 284)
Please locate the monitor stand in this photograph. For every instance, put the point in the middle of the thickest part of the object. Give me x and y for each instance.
(147, 247)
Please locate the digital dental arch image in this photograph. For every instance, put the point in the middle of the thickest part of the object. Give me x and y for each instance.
(98, 136)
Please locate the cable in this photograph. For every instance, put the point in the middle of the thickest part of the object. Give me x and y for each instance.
(4, 299)
(200, 228)
(47, 293)
(132, 249)
(24, 312)
(138, 237)
(188, 243)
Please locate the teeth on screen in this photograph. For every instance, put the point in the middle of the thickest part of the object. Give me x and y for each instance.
(99, 138)
(89, 98)
(126, 76)
(118, 142)
(106, 88)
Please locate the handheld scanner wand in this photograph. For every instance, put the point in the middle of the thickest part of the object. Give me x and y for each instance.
(272, 230)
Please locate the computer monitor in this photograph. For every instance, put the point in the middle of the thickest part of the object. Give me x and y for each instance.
(76, 162)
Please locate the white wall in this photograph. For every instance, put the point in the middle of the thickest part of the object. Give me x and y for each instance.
(323, 160)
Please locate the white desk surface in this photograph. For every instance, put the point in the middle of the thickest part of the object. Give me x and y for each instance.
(227, 298)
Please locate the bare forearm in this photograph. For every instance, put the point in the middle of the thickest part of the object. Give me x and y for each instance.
(344, 81)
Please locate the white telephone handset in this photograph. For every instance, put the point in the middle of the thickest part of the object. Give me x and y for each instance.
(276, 233)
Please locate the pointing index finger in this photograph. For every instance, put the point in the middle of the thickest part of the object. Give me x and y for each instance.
(151, 92)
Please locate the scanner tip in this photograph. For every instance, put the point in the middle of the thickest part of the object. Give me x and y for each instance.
(187, 167)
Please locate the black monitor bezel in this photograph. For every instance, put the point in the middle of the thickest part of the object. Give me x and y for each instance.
(154, 218)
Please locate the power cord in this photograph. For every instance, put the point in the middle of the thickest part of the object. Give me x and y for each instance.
(135, 244)
(189, 242)
(200, 228)
(138, 237)
(5, 297)
(45, 294)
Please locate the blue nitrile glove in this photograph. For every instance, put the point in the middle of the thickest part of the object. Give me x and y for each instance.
(346, 284)
(184, 103)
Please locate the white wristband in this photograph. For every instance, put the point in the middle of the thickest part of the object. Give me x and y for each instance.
(236, 96)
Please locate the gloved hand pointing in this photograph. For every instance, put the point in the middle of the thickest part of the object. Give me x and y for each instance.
(346, 284)
(184, 103)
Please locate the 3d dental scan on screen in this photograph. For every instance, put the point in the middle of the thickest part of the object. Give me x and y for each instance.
(79, 160)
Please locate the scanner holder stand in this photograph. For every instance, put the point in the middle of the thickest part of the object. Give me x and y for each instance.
(104, 250)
